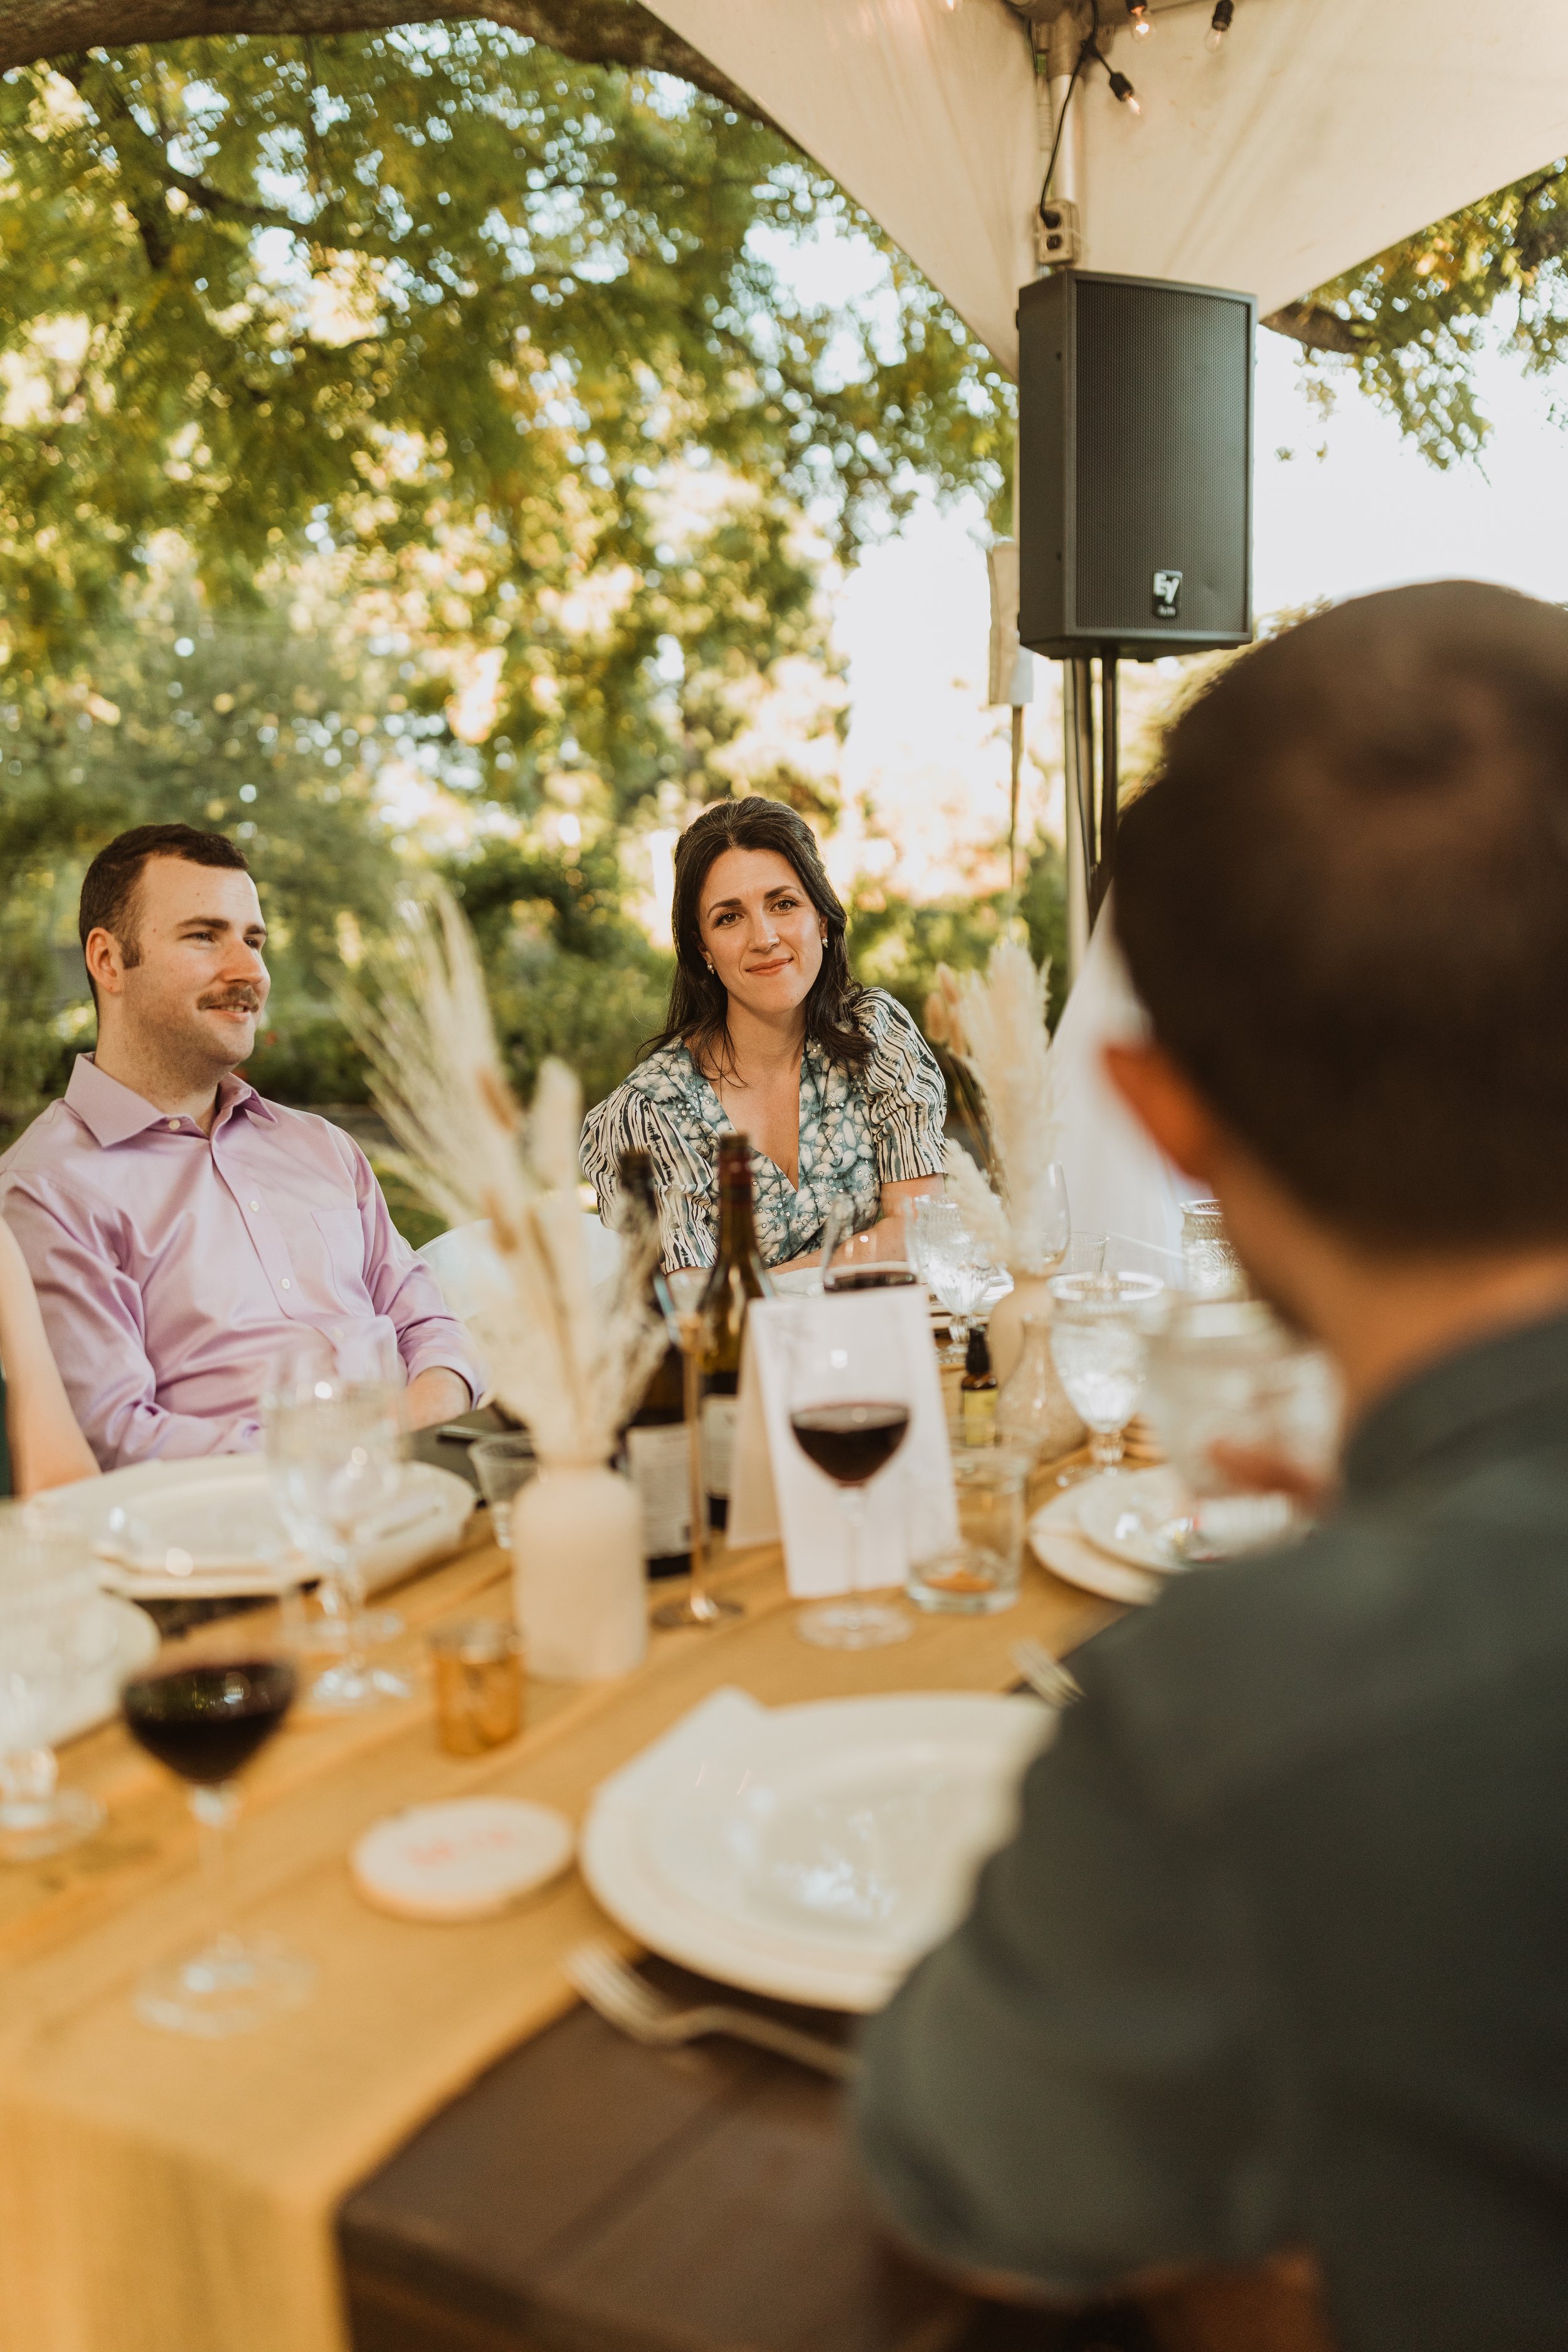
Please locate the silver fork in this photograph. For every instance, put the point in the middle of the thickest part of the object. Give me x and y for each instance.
(623, 1999)
(1045, 1676)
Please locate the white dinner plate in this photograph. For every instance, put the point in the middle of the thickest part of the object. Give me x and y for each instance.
(134, 1644)
(1060, 1544)
(207, 1530)
(1139, 1517)
(814, 1852)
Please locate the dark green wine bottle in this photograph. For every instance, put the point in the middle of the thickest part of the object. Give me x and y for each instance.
(739, 1275)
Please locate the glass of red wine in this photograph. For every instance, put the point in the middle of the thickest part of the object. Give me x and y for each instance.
(206, 1721)
(849, 1411)
(876, 1258)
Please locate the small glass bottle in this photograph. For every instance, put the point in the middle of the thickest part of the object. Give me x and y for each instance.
(977, 1392)
(1032, 1408)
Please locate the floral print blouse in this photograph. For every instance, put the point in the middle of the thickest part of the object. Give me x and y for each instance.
(859, 1130)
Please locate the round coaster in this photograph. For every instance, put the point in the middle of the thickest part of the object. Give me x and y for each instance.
(466, 1860)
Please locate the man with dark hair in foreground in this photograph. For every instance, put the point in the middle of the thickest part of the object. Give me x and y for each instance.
(1277, 1957)
(182, 1233)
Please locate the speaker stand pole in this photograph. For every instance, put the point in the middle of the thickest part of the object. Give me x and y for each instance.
(1104, 872)
(1077, 804)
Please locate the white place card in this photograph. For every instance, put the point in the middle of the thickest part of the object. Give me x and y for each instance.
(777, 1492)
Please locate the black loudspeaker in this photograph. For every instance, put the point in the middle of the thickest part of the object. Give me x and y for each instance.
(1134, 466)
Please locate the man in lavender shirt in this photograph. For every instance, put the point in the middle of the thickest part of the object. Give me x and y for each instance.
(182, 1234)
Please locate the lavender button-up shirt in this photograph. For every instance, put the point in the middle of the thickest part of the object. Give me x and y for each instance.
(176, 1269)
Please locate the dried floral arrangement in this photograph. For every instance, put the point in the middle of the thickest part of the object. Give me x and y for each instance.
(567, 1357)
(994, 1026)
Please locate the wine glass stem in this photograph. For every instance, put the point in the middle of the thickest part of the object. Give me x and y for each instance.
(852, 1503)
(349, 1586)
(691, 1372)
(27, 1777)
(214, 1807)
(1105, 1448)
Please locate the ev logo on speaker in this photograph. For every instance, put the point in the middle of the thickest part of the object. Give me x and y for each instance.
(1167, 594)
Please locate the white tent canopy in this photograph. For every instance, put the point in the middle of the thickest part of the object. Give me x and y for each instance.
(1322, 131)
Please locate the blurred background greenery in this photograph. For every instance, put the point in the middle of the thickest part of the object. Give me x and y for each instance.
(416, 455)
(418, 452)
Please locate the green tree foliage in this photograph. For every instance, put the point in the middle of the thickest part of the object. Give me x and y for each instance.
(257, 730)
(570, 973)
(1406, 326)
(503, 338)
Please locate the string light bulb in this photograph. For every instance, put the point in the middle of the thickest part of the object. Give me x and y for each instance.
(1142, 22)
(1122, 90)
(1219, 23)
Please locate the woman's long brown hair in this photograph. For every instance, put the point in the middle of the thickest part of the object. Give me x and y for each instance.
(699, 1003)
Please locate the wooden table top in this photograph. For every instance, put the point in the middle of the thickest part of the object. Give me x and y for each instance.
(483, 2164)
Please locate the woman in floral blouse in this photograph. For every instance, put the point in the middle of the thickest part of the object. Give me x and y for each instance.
(769, 1035)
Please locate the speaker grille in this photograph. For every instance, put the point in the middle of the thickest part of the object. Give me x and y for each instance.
(1163, 404)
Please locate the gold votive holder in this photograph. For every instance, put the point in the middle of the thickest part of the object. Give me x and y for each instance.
(478, 1685)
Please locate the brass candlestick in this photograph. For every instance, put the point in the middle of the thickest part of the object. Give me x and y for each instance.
(680, 1296)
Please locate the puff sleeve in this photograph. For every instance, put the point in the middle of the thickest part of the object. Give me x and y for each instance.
(905, 1093)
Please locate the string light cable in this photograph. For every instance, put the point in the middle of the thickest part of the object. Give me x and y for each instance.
(1122, 90)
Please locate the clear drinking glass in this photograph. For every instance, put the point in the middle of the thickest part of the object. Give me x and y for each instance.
(206, 1722)
(980, 1574)
(1041, 1219)
(53, 1630)
(849, 1411)
(1227, 1372)
(334, 1457)
(502, 1464)
(1100, 1343)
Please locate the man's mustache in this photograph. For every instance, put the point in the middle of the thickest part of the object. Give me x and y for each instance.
(227, 1000)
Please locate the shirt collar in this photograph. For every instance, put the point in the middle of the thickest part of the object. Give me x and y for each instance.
(1480, 1403)
(113, 1113)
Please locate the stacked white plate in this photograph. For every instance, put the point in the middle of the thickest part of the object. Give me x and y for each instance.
(816, 1851)
(207, 1530)
(1116, 1535)
(1122, 1535)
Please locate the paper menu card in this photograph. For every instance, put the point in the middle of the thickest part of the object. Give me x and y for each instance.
(777, 1492)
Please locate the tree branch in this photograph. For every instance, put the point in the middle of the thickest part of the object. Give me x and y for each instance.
(1320, 329)
(590, 32)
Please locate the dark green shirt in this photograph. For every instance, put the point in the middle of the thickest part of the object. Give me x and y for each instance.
(1280, 1954)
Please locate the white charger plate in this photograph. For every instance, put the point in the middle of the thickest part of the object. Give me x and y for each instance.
(1058, 1543)
(814, 1852)
(97, 1697)
(207, 1530)
(1137, 1516)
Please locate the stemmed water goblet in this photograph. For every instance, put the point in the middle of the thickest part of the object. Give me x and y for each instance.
(849, 1412)
(951, 1264)
(53, 1629)
(334, 1457)
(206, 1721)
(679, 1294)
(1099, 1346)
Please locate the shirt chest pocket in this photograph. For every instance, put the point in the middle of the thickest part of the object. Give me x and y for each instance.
(341, 1241)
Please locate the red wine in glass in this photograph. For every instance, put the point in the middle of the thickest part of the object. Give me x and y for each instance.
(206, 1722)
(868, 1278)
(850, 1441)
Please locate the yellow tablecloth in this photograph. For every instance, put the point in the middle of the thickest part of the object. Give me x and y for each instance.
(163, 2195)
